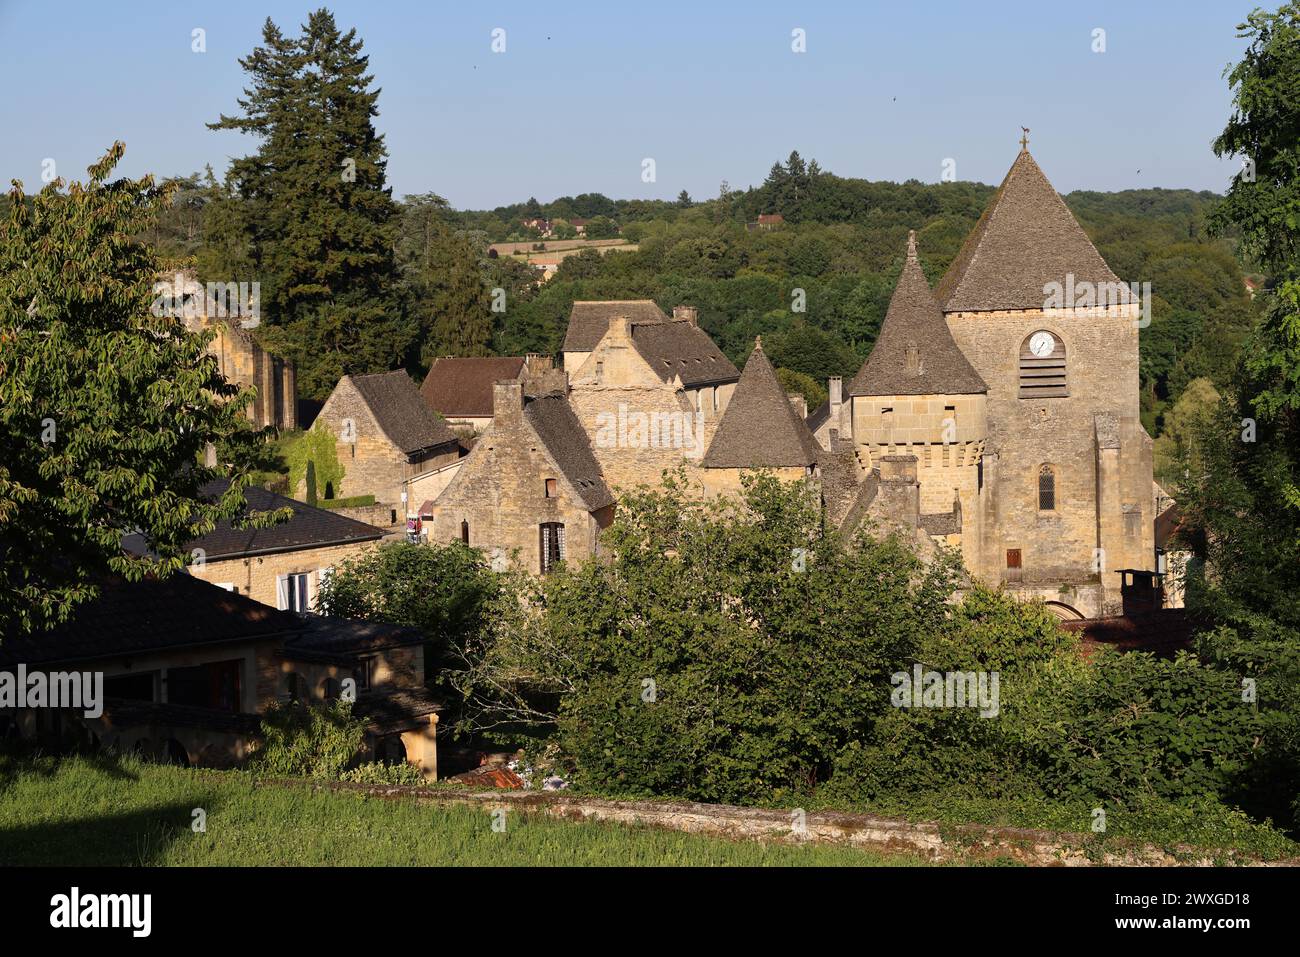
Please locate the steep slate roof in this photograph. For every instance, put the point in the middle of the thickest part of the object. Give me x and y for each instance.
(818, 416)
(760, 428)
(463, 387)
(396, 405)
(151, 615)
(564, 437)
(914, 320)
(1026, 239)
(589, 320)
(684, 349)
(307, 528)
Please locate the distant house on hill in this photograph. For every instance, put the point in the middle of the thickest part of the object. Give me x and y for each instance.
(766, 221)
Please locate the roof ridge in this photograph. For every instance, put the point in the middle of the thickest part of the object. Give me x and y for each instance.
(1026, 238)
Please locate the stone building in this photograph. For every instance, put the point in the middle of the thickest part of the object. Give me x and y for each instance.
(460, 389)
(240, 357)
(282, 565)
(386, 437)
(650, 394)
(589, 321)
(1015, 389)
(531, 491)
(188, 670)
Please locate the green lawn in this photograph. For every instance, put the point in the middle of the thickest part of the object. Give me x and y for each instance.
(124, 812)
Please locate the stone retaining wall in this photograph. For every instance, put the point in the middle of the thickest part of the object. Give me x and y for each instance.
(963, 843)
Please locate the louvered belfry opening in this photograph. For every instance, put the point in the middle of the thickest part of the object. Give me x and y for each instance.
(1042, 377)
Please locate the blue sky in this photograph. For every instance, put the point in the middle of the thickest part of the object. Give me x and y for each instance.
(585, 91)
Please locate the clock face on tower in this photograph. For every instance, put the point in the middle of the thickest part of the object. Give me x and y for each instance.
(1042, 344)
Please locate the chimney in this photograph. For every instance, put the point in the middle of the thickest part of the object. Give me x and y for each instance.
(619, 328)
(799, 403)
(686, 314)
(507, 399)
(835, 387)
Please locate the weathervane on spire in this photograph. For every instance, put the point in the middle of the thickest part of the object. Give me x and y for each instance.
(1024, 139)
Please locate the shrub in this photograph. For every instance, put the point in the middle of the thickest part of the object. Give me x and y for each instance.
(376, 772)
(309, 741)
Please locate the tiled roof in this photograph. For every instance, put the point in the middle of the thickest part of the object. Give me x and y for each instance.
(151, 615)
(589, 320)
(1026, 238)
(388, 710)
(326, 638)
(564, 437)
(1163, 633)
(396, 405)
(679, 348)
(760, 428)
(818, 416)
(463, 387)
(308, 527)
(915, 353)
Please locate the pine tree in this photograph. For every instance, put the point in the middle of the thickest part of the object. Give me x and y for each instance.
(107, 401)
(449, 300)
(311, 207)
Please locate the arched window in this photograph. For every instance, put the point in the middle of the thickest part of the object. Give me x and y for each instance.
(1042, 366)
(1046, 489)
(464, 531)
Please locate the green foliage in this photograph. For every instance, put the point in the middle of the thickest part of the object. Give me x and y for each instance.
(766, 642)
(309, 741)
(352, 501)
(445, 590)
(377, 772)
(316, 449)
(105, 406)
(310, 479)
(805, 385)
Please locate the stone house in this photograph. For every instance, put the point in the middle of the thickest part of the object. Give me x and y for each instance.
(589, 321)
(240, 357)
(283, 565)
(188, 669)
(385, 437)
(531, 490)
(650, 394)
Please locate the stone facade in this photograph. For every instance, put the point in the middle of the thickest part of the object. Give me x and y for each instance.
(508, 487)
(373, 463)
(258, 576)
(1093, 441)
(243, 361)
(639, 424)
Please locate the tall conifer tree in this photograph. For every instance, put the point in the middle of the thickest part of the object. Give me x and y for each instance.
(309, 213)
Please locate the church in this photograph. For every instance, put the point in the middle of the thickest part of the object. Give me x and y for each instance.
(993, 416)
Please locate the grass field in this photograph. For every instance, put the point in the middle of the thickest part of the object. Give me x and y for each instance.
(122, 811)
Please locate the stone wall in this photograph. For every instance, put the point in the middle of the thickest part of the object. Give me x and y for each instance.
(638, 424)
(499, 491)
(372, 464)
(1093, 491)
(256, 576)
